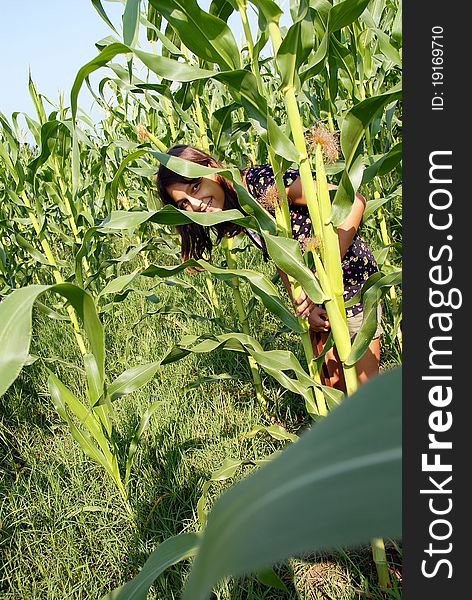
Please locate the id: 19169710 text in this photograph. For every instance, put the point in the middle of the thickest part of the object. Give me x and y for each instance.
(437, 66)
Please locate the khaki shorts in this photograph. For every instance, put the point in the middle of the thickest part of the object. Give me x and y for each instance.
(354, 323)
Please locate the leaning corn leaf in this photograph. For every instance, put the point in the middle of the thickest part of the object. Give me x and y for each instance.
(268, 516)
(132, 379)
(170, 552)
(355, 477)
(16, 327)
(261, 286)
(371, 296)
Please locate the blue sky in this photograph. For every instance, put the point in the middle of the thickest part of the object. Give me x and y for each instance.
(54, 38)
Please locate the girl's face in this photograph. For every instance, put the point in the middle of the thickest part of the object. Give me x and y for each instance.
(203, 195)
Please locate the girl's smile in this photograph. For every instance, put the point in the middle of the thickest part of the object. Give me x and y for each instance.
(202, 195)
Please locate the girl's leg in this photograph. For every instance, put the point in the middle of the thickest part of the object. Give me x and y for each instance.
(368, 365)
(331, 373)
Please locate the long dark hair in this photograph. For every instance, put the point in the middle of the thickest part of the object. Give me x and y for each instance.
(196, 240)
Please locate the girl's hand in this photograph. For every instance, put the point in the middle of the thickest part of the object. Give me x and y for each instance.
(315, 314)
(318, 319)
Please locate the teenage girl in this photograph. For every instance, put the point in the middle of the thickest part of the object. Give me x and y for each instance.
(214, 193)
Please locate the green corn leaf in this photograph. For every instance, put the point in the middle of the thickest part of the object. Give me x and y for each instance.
(344, 197)
(99, 8)
(317, 61)
(131, 22)
(169, 215)
(357, 119)
(274, 362)
(261, 286)
(170, 552)
(280, 143)
(209, 379)
(370, 297)
(228, 470)
(387, 49)
(50, 313)
(221, 125)
(352, 131)
(356, 478)
(153, 24)
(373, 205)
(16, 327)
(384, 164)
(338, 16)
(153, 31)
(168, 68)
(270, 578)
(269, 9)
(287, 255)
(37, 100)
(96, 393)
(236, 342)
(204, 34)
(118, 284)
(397, 25)
(38, 256)
(132, 379)
(5, 154)
(132, 156)
(62, 395)
(276, 431)
(101, 60)
(221, 9)
(345, 13)
(243, 85)
(49, 131)
(295, 48)
(94, 379)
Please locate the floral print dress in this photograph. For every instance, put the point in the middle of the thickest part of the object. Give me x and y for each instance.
(358, 263)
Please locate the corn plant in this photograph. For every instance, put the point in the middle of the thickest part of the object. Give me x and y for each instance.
(269, 516)
(79, 217)
(90, 420)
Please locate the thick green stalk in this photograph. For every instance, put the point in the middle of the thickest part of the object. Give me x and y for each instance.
(338, 323)
(333, 286)
(328, 236)
(256, 376)
(283, 219)
(296, 127)
(381, 564)
(306, 177)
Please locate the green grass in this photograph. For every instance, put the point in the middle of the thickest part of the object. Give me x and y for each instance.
(64, 530)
